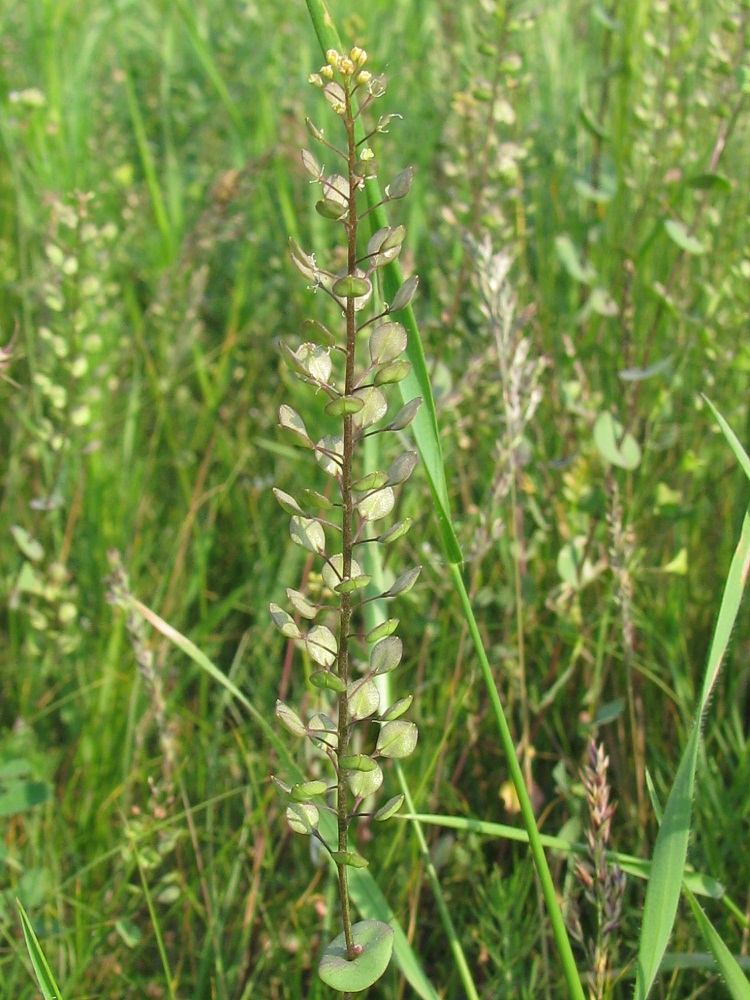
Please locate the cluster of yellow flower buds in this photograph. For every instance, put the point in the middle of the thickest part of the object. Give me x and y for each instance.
(346, 66)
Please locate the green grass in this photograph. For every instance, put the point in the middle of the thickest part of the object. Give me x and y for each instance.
(143, 417)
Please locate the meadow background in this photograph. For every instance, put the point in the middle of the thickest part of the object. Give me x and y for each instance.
(149, 180)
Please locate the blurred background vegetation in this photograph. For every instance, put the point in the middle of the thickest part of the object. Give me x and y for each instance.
(149, 180)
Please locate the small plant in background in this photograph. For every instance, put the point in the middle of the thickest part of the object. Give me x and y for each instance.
(351, 386)
(602, 884)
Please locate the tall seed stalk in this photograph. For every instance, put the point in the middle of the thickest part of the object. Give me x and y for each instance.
(353, 392)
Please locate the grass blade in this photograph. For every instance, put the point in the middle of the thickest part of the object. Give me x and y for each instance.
(148, 163)
(700, 884)
(670, 850)
(736, 981)
(734, 442)
(50, 989)
(207, 61)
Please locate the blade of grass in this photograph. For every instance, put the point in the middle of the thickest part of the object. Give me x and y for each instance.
(428, 442)
(734, 442)
(670, 850)
(210, 68)
(149, 167)
(527, 811)
(50, 989)
(702, 885)
(168, 975)
(736, 982)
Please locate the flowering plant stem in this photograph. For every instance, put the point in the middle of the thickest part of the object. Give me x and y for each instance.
(426, 436)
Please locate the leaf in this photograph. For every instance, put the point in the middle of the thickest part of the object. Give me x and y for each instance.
(641, 374)
(397, 709)
(342, 405)
(329, 452)
(405, 415)
(670, 851)
(289, 719)
(372, 481)
(396, 371)
(397, 739)
(365, 783)
(375, 407)
(387, 342)
(401, 468)
(390, 809)
(405, 294)
(350, 286)
(288, 502)
(400, 185)
(320, 643)
(678, 233)
(28, 545)
(308, 534)
(327, 680)
(292, 421)
(349, 858)
(310, 164)
(311, 327)
(404, 582)
(18, 796)
(305, 789)
(571, 261)
(734, 442)
(397, 531)
(301, 603)
(375, 939)
(364, 699)
(323, 730)
(303, 818)
(358, 762)
(378, 504)
(574, 570)
(677, 566)
(381, 631)
(50, 989)
(735, 980)
(602, 303)
(711, 182)
(600, 195)
(591, 124)
(386, 655)
(333, 571)
(620, 449)
(316, 361)
(284, 622)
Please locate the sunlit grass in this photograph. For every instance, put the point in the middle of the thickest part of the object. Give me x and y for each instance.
(184, 122)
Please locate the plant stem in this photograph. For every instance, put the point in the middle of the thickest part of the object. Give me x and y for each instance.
(347, 533)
